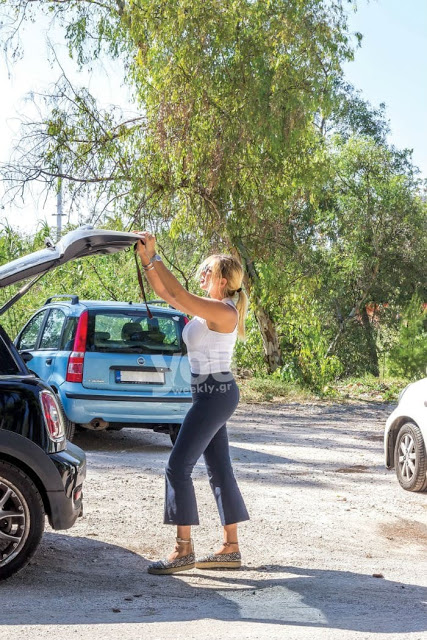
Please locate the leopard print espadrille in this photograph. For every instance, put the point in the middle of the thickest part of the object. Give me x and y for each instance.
(220, 561)
(180, 564)
(165, 567)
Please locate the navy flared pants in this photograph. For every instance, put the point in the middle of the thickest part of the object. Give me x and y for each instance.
(204, 432)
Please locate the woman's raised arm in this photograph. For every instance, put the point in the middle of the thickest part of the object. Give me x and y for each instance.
(166, 285)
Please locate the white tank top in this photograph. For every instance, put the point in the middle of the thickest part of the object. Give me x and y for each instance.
(209, 351)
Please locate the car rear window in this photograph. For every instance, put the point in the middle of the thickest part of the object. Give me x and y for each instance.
(133, 332)
(8, 365)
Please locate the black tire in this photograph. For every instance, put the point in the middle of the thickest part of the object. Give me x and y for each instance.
(173, 432)
(70, 427)
(23, 525)
(410, 459)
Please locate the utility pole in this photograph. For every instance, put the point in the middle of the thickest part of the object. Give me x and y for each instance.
(59, 214)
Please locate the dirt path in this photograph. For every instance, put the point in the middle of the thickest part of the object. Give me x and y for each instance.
(326, 518)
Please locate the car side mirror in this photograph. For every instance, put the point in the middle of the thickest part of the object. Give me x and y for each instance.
(26, 356)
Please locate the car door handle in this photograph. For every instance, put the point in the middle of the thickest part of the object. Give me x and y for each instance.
(48, 360)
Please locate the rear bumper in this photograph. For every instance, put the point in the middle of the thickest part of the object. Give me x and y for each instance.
(82, 407)
(67, 505)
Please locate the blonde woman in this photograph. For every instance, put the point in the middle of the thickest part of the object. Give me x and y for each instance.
(210, 337)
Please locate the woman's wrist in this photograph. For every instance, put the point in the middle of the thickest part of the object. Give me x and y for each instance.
(148, 263)
(154, 258)
(146, 254)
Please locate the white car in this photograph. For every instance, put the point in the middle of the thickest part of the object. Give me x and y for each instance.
(405, 437)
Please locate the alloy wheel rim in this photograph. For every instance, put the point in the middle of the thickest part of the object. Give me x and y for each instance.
(407, 457)
(14, 521)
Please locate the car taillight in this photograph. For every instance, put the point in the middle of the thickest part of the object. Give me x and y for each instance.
(77, 356)
(52, 416)
(75, 367)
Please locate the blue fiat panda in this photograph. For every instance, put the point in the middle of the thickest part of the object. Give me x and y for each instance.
(111, 365)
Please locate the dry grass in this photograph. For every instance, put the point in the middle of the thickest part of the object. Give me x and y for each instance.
(255, 390)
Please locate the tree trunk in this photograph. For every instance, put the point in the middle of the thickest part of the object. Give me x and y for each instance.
(372, 347)
(270, 340)
(251, 281)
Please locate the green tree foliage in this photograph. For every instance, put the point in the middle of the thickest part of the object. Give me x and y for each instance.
(227, 92)
(408, 357)
(227, 144)
(371, 240)
(246, 139)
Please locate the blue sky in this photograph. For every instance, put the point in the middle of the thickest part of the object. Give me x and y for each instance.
(390, 67)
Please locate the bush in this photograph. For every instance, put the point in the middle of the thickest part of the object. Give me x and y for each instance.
(249, 355)
(307, 362)
(408, 357)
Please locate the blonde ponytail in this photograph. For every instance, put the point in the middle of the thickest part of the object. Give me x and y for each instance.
(228, 267)
(242, 308)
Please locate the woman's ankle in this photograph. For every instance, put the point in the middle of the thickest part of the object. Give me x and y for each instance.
(182, 548)
(184, 545)
(228, 547)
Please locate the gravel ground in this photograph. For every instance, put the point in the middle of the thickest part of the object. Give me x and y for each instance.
(335, 549)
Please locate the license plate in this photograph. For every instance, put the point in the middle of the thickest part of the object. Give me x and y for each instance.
(140, 377)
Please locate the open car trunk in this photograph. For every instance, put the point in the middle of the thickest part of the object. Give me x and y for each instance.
(84, 241)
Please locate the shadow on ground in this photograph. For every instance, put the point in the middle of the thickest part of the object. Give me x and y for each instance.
(82, 581)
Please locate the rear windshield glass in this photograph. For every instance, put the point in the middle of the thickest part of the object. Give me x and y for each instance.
(8, 365)
(134, 332)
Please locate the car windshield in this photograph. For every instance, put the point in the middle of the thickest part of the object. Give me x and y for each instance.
(112, 331)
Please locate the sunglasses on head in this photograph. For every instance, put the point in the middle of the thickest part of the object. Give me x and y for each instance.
(205, 269)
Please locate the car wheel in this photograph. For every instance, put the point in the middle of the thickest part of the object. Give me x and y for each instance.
(173, 432)
(70, 427)
(21, 519)
(410, 459)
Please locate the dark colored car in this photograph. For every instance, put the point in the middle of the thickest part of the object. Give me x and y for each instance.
(41, 473)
